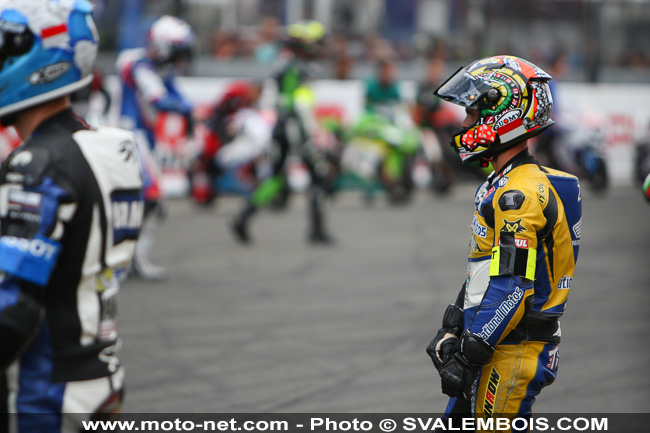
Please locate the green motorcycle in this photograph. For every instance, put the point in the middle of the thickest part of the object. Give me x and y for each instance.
(380, 152)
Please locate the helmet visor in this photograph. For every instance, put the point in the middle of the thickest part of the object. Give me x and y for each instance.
(462, 88)
(15, 40)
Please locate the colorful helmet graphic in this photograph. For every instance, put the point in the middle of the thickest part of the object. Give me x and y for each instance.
(513, 100)
(47, 50)
(305, 37)
(170, 39)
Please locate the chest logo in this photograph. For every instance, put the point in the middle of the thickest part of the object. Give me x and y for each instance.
(513, 227)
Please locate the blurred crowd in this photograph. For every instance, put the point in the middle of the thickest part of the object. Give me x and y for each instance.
(262, 44)
(343, 51)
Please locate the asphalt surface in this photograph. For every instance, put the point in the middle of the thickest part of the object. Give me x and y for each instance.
(281, 326)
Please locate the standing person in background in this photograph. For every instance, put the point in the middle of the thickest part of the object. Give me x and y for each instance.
(70, 213)
(498, 345)
(293, 132)
(383, 89)
(148, 88)
(266, 50)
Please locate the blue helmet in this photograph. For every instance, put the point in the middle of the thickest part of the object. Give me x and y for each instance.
(47, 50)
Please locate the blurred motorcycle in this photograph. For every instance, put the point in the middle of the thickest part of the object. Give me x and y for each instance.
(577, 146)
(381, 152)
(233, 166)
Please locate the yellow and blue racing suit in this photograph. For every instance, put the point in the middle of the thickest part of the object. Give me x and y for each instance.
(523, 251)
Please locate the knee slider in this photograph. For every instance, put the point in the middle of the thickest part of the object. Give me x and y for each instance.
(453, 317)
(476, 350)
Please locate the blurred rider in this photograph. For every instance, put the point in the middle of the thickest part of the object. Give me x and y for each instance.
(294, 131)
(70, 212)
(148, 88)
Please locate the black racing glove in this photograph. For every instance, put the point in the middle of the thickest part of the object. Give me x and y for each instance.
(458, 375)
(443, 346)
(19, 325)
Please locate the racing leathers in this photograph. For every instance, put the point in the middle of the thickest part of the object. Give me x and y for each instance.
(70, 213)
(145, 93)
(523, 251)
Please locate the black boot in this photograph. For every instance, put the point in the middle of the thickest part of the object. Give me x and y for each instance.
(239, 226)
(318, 233)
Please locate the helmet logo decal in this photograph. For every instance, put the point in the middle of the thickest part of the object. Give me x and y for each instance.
(506, 118)
(11, 27)
(55, 36)
(512, 130)
(512, 64)
(49, 73)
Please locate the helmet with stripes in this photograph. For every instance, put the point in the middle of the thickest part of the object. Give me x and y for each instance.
(47, 50)
(512, 100)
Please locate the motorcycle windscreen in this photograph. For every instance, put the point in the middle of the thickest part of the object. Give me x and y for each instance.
(462, 88)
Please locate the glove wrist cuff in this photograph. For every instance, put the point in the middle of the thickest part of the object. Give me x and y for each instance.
(453, 320)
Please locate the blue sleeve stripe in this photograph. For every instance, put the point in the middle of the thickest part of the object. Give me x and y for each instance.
(29, 259)
(499, 306)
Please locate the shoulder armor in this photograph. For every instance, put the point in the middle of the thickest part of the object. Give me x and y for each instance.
(511, 200)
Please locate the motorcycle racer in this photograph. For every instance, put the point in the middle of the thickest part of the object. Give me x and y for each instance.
(148, 87)
(498, 346)
(293, 133)
(70, 214)
(147, 75)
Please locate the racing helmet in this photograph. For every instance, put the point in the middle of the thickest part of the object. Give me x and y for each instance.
(170, 39)
(513, 100)
(305, 37)
(47, 50)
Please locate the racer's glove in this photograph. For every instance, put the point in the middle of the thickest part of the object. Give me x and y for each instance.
(19, 324)
(443, 346)
(458, 375)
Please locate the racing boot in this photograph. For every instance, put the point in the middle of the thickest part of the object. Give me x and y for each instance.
(318, 233)
(239, 226)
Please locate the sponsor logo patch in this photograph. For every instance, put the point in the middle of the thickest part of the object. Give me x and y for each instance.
(491, 393)
(553, 359)
(565, 282)
(49, 73)
(21, 159)
(577, 229)
(506, 118)
(519, 243)
(501, 313)
(25, 199)
(512, 64)
(127, 212)
(542, 193)
(513, 227)
(126, 148)
(479, 230)
(12, 27)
